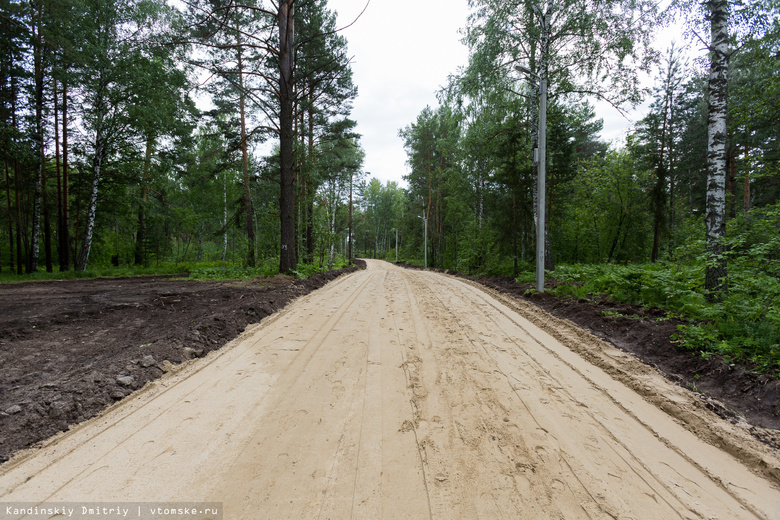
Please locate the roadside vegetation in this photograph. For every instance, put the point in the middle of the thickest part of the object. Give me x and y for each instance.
(97, 272)
(269, 267)
(212, 271)
(743, 326)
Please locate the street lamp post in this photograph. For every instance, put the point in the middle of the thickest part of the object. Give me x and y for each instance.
(540, 186)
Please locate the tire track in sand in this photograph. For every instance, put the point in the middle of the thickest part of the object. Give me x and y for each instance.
(563, 394)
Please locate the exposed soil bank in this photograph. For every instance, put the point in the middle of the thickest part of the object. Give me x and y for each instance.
(69, 349)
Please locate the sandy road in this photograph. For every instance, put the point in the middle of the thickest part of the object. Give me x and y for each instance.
(406, 394)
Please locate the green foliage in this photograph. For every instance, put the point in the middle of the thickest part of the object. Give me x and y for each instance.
(474, 249)
(268, 267)
(594, 46)
(472, 176)
(202, 271)
(106, 272)
(744, 326)
(615, 224)
(670, 286)
(307, 270)
(225, 271)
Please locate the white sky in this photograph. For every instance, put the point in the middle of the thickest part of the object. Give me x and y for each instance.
(403, 52)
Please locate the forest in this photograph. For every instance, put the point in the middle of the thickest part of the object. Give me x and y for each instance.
(110, 161)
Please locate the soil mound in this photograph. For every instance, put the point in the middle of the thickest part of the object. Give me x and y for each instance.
(69, 349)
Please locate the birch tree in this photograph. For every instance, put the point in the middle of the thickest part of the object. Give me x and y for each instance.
(726, 22)
(110, 71)
(340, 156)
(590, 48)
(101, 50)
(717, 110)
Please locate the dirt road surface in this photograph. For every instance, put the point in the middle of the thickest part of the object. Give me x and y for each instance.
(394, 394)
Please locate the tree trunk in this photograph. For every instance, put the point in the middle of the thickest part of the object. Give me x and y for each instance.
(287, 254)
(250, 221)
(97, 163)
(715, 219)
(140, 237)
(10, 216)
(89, 225)
(300, 195)
(658, 211)
(32, 261)
(46, 222)
(515, 274)
(615, 240)
(746, 193)
(224, 217)
(17, 183)
(310, 184)
(731, 185)
(58, 168)
(64, 227)
(45, 192)
(351, 256)
(332, 234)
(672, 195)
(439, 216)
(19, 262)
(77, 224)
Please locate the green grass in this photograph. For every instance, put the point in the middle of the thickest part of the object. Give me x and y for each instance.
(215, 271)
(103, 272)
(206, 271)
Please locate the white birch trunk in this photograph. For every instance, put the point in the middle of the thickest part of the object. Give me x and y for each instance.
(715, 219)
(89, 226)
(36, 220)
(97, 163)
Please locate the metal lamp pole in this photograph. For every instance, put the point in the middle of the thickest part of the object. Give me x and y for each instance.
(540, 185)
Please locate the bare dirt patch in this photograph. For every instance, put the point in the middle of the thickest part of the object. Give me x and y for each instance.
(69, 349)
